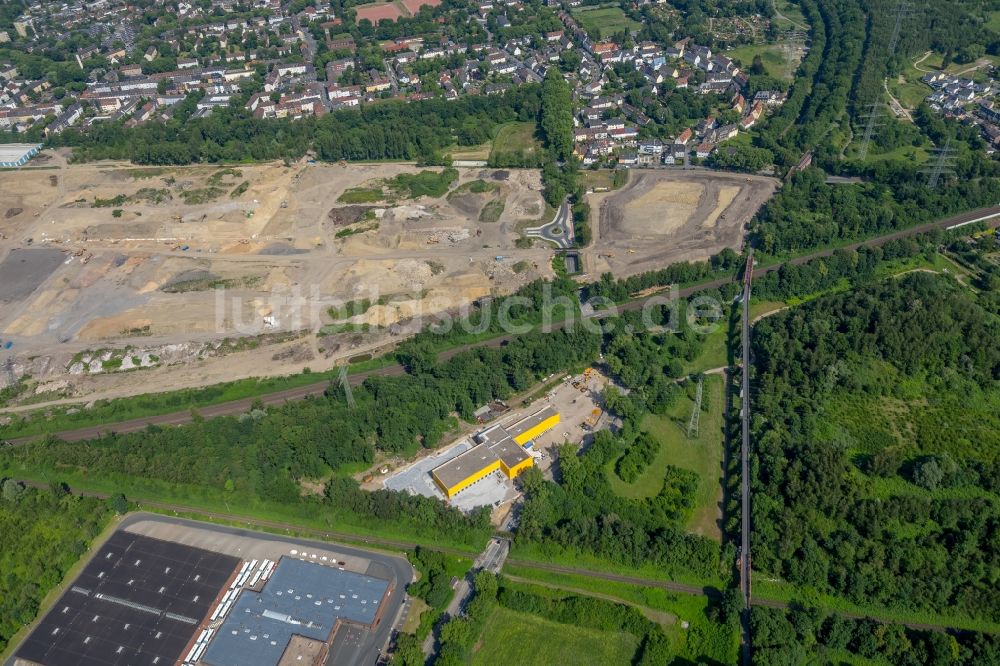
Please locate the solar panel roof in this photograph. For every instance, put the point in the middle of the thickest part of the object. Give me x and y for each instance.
(138, 601)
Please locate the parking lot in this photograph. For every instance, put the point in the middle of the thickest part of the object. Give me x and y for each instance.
(579, 401)
(581, 410)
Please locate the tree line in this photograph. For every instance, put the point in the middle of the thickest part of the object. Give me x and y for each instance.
(803, 634)
(378, 131)
(44, 532)
(264, 455)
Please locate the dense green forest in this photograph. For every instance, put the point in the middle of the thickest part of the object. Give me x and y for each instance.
(875, 460)
(808, 635)
(581, 513)
(43, 532)
(808, 213)
(387, 130)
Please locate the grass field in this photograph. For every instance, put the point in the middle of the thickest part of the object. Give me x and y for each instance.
(703, 640)
(994, 22)
(908, 88)
(412, 621)
(793, 15)
(492, 211)
(772, 55)
(480, 152)
(605, 21)
(601, 179)
(713, 352)
(702, 455)
(526, 640)
(516, 138)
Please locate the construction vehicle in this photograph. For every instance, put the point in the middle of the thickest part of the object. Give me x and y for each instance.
(607, 255)
(631, 251)
(594, 417)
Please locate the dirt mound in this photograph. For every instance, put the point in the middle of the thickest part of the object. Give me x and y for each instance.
(118, 230)
(188, 277)
(281, 249)
(13, 212)
(469, 204)
(345, 216)
(501, 175)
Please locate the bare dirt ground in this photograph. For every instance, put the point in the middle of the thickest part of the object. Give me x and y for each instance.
(159, 266)
(661, 217)
(178, 277)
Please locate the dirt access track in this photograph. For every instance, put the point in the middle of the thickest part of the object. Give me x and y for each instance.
(665, 216)
(119, 279)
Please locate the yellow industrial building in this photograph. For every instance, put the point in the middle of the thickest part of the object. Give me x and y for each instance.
(497, 448)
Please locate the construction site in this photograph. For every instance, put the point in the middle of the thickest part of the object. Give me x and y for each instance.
(664, 216)
(109, 268)
(116, 278)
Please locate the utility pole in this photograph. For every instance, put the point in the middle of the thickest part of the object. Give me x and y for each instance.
(903, 10)
(871, 118)
(696, 413)
(944, 163)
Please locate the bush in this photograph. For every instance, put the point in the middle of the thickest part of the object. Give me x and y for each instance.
(637, 457)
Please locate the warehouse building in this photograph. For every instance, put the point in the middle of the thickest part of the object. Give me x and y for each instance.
(502, 448)
(297, 615)
(138, 601)
(13, 155)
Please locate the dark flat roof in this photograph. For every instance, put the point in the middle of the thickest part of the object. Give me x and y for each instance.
(492, 435)
(529, 422)
(464, 465)
(138, 601)
(510, 452)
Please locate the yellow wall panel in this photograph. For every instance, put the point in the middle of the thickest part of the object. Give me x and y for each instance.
(469, 480)
(532, 433)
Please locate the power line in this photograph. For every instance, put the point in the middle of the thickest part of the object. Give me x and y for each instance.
(692, 432)
(903, 10)
(944, 163)
(871, 123)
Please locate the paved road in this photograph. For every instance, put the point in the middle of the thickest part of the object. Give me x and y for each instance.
(558, 231)
(491, 559)
(989, 215)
